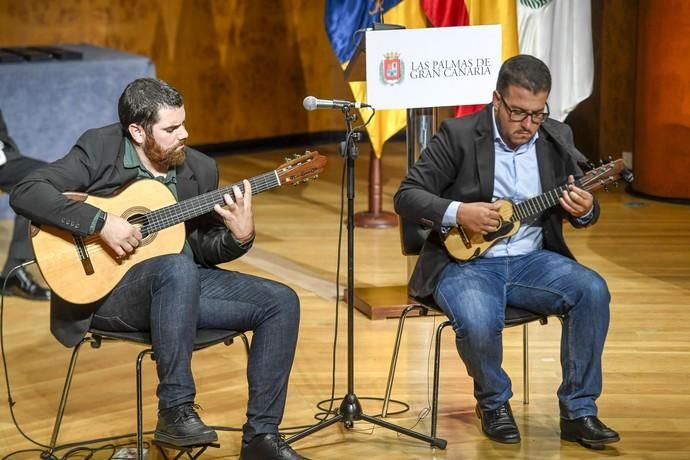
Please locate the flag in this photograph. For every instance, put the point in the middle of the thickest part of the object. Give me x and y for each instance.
(345, 17)
(447, 13)
(346, 20)
(567, 52)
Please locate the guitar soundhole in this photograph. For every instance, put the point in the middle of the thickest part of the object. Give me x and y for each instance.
(137, 217)
(503, 230)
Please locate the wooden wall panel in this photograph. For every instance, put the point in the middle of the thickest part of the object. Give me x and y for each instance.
(603, 124)
(243, 66)
(662, 121)
(617, 76)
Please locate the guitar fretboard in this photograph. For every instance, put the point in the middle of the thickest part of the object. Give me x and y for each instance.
(539, 203)
(193, 207)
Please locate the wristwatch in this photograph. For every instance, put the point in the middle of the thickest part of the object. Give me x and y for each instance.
(100, 223)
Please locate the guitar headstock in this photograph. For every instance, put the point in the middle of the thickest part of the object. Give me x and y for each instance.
(301, 168)
(605, 175)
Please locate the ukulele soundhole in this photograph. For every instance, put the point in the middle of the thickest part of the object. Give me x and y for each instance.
(137, 217)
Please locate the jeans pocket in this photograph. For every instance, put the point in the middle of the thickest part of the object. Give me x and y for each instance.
(111, 323)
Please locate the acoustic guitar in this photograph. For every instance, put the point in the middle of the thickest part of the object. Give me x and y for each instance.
(463, 244)
(83, 269)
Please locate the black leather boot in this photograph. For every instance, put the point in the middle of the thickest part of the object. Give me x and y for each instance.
(181, 426)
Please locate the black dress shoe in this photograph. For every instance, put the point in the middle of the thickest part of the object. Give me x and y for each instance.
(181, 426)
(22, 284)
(499, 424)
(588, 431)
(269, 447)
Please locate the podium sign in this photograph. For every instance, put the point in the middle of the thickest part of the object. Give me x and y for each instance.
(432, 67)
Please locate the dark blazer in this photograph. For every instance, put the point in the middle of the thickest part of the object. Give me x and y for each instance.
(11, 150)
(95, 165)
(458, 165)
(16, 167)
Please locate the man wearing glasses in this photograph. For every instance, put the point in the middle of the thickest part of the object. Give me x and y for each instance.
(511, 150)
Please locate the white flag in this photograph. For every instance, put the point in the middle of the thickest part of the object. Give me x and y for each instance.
(559, 32)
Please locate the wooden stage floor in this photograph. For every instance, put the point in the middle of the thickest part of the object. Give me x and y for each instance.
(641, 247)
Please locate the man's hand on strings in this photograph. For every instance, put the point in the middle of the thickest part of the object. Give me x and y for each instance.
(237, 214)
(120, 236)
(479, 217)
(576, 201)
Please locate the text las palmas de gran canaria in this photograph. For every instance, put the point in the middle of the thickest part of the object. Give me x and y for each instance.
(451, 68)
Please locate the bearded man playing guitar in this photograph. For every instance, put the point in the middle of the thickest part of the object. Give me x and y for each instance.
(174, 294)
(510, 150)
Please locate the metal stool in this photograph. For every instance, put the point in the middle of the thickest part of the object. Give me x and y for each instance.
(514, 317)
(204, 338)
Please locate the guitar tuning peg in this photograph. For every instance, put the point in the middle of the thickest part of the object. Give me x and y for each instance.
(287, 158)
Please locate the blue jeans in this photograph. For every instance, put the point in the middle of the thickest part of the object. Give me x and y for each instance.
(474, 296)
(172, 297)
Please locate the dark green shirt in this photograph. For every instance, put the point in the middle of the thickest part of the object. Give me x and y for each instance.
(131, 161)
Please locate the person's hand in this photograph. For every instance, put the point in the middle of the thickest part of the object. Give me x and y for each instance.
(576, 201)
(120, 236)
(238, 215)
(479, 217)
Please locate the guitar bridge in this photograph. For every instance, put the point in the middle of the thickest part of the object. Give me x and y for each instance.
(83, 255)
(464, 238)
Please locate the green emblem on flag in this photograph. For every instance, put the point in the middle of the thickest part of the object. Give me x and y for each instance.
(535, 4)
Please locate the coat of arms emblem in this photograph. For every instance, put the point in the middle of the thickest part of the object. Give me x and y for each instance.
(392, 68)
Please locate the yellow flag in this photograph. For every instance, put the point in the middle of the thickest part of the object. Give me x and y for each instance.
(502, 12)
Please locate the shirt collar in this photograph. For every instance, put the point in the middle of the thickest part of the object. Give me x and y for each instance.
(131, 160)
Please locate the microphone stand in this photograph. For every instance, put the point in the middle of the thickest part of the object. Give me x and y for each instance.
(350, 408)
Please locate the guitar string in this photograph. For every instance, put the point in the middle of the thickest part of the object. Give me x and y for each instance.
(533, 206)
(195, 206)
(199, 205)
(93, 245)
(206, 201)
(180, 212)
(165, 217)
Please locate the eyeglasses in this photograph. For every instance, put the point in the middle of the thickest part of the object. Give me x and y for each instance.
(520, 114)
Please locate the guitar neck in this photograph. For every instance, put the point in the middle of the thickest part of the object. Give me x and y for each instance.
(193, 207)
(539, 203)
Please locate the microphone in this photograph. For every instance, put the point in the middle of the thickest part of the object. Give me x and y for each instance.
(311, 103)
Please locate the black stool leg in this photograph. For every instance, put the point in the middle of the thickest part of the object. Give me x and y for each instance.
(63, 400)
(245, 341)
(396, 350)
(525, 364)
(437, 369)
(140, 404)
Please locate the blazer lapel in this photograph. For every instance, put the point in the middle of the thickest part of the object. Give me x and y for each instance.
(546, 166)
(187, 187)
(486, 154)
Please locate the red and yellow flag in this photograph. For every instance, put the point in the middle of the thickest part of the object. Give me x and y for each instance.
(447, 13)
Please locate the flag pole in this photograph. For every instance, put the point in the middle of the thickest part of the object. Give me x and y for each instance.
(375, 216)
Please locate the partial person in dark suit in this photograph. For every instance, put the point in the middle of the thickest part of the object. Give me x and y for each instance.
(511, 150)
(13, 167)
(172, 295)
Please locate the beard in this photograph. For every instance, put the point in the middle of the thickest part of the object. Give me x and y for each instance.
(166, 158)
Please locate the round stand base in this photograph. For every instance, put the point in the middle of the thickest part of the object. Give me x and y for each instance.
(383, 219)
